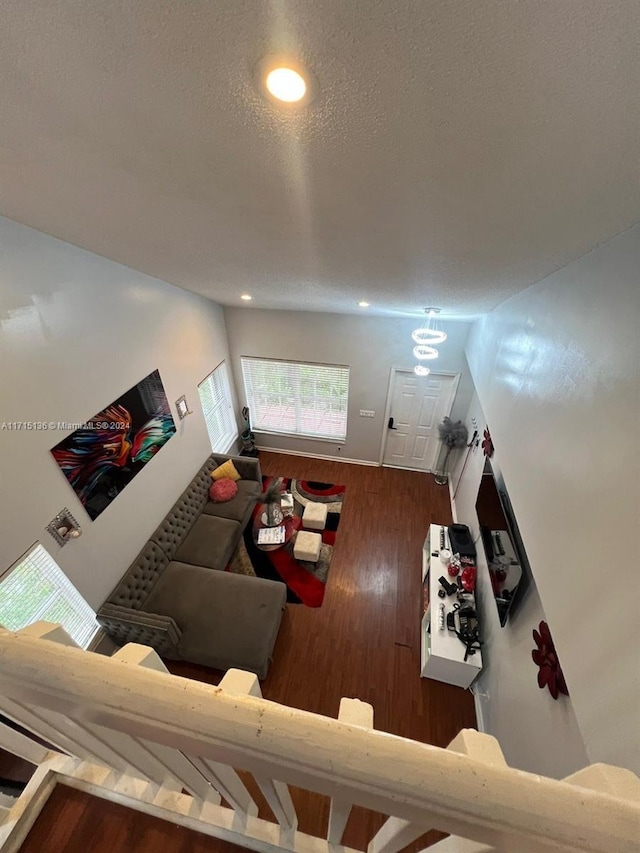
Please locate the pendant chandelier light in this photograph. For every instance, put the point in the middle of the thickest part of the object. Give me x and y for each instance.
(422, 352)
(425, 337)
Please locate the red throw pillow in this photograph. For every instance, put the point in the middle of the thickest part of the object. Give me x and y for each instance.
(223, 490)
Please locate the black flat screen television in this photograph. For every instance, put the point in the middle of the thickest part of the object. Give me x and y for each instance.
(509, 571)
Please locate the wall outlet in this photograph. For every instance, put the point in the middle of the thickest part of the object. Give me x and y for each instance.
(367, 413)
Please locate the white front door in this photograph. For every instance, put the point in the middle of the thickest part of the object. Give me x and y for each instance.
(417, 405)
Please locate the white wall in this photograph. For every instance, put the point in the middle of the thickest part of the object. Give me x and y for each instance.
(556, 369)
(76, 331)
(535, 732)
(370, 346)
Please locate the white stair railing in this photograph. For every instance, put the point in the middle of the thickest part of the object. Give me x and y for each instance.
(18, 744)
(176, 734)
(356, 713)
(239, 683)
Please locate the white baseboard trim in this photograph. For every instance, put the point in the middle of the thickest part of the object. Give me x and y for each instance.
(404, 468)
(454, 512)
(318, 456)
(477, 701)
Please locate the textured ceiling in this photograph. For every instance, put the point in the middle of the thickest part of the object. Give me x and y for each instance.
(456, 150)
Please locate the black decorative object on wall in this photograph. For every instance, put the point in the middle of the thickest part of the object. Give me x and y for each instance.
(101, 457)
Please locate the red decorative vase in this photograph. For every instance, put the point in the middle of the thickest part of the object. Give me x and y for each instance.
(468, 578)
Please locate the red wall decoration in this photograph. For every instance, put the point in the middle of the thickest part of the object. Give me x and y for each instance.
(487, 443)
(545, 657)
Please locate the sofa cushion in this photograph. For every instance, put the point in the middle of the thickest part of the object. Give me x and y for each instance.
(225, 471)
(247, 466)
(226, 620)
(223, 490)
(175, 526)
(139, 580)
(238, 508)
(210, 542)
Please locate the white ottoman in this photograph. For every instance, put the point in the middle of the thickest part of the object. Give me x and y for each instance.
(307, 546)
(315, 516)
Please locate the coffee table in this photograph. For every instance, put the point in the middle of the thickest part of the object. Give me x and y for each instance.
(292, 523)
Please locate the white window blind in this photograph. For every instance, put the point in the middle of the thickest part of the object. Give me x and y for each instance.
(217, 406)
(36, 589)
(294, 398)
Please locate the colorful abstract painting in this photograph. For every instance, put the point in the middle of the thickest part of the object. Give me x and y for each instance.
(101, 457)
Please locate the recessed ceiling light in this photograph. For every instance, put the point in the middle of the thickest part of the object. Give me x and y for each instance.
(363, 304)
(285, 81)
(246, 297)
(286, 85)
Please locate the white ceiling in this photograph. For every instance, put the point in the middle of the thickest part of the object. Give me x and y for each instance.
(456, 152)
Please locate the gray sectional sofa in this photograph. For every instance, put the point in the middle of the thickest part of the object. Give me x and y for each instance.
(176, 596)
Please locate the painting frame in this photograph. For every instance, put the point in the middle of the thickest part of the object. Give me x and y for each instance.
(102, 456)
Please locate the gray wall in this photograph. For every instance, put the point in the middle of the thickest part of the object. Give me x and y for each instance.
(370, 346)
(556, 370)
(76, 331)
(535, 733)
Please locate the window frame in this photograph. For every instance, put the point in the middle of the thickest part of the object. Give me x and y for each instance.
(226, 441)
(42, 562)
(251, 392)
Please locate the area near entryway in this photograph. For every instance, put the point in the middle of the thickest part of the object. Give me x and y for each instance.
(416, 406)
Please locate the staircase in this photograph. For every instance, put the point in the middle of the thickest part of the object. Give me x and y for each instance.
(126, 730)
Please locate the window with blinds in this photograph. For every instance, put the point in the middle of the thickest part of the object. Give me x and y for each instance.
(217, 407)
(36, 589)
(294, 398)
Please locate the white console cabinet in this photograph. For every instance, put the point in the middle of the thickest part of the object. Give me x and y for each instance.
(442, 653)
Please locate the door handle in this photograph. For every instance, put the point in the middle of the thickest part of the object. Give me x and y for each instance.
(390, 424)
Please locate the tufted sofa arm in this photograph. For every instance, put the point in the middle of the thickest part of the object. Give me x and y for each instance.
(125, 625)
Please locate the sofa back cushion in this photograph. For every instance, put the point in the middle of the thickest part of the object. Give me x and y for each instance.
(135, 586)
(173, 529)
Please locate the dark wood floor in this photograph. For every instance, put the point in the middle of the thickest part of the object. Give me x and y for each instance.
(363, 642)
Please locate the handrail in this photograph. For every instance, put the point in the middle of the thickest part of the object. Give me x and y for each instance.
(413, 781)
